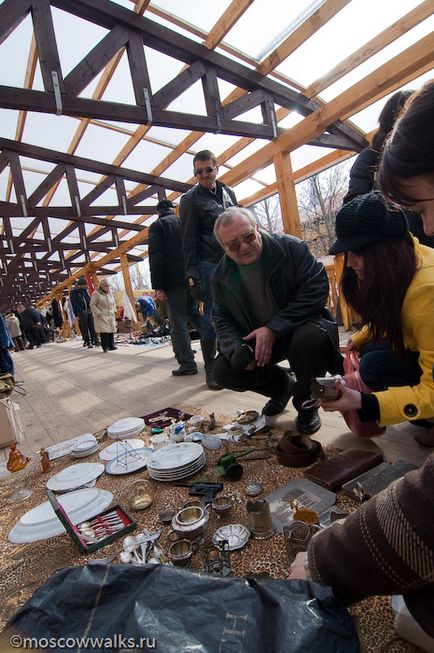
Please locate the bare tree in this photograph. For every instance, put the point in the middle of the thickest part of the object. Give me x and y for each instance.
(268, 214)
(319, 199)
(139, 275)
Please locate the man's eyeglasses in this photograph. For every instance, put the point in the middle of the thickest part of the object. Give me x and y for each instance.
(203, 171)
(235, 245)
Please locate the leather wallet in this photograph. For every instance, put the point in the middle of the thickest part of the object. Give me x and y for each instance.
(336, 471)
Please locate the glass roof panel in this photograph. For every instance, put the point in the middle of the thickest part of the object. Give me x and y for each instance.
(46, 130)
(167, 135)
(368, 118)
(100, 147)
(120, 87)
(145, 156)
(72, 49)
(265, 22)
(15, 48)
(338, 38)
(385, 55)
(195, 11)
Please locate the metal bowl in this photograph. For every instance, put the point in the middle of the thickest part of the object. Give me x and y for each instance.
(189, 516)
(237, 536)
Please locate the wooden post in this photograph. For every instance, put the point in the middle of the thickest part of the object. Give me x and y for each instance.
(127, 282)
(287, 194)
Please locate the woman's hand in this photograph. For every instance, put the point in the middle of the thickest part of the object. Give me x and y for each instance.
(298, 567)
(350, 346)
(349, 400)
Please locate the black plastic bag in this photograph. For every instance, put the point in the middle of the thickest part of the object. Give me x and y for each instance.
(174, 610)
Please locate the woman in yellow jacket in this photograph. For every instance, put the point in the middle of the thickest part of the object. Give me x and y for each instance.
(389, 281)
(103, 307)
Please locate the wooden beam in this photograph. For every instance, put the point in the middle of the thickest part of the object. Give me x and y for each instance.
(141, 6)
(226, 21)
(47, 47)
(127, 280)
(287, 195)
(42, 153)
(95, 61)
(369, 49)
(331, 159)
(12, 13)
(387, 78)
(28, 83)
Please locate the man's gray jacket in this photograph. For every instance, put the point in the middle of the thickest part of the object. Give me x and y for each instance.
(297, 283)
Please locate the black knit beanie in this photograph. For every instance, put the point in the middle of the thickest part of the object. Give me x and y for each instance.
(367, 219)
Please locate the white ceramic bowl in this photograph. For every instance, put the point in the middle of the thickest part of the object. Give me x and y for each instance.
(196, 420)
(211, 442)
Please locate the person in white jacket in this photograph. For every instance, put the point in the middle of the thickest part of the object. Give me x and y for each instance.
(103, 307)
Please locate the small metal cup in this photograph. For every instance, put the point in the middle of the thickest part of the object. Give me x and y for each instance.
(181, 552)
(296, 537)
(306, 515)
(222, 505)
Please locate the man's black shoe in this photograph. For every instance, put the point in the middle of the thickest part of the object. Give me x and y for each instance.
(184, 371)
(277, 404)
(308, 421)
(112, 348)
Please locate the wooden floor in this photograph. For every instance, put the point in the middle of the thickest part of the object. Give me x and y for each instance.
(71, 390)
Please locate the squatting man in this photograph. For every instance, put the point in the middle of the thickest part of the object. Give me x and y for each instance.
(270, 294)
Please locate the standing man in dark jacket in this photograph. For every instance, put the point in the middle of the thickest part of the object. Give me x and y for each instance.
(31, 320)
(80, 300)
(269, 305)
(199, 209)
(168, 281)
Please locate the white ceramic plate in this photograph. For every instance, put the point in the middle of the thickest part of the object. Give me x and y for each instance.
(175, 456)
(179, 477)
(64, 448)
(74, 476)
(237, 536)
(118, 448)
(129, 462)
(76, 453)
(176, 470)
(126, 427)
(126, 435)
(41, 522)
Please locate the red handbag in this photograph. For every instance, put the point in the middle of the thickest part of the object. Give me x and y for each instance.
(353, 380)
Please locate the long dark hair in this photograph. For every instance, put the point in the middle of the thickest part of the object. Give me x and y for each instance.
(409, 150)
(389, 269)
(388, 116)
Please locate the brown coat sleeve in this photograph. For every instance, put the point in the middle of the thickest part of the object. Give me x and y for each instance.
(384, 547)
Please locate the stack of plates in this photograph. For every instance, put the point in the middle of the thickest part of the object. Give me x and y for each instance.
(126, 428)
(85, 448)
(176, 461)
(74, 476)
(41, 522)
